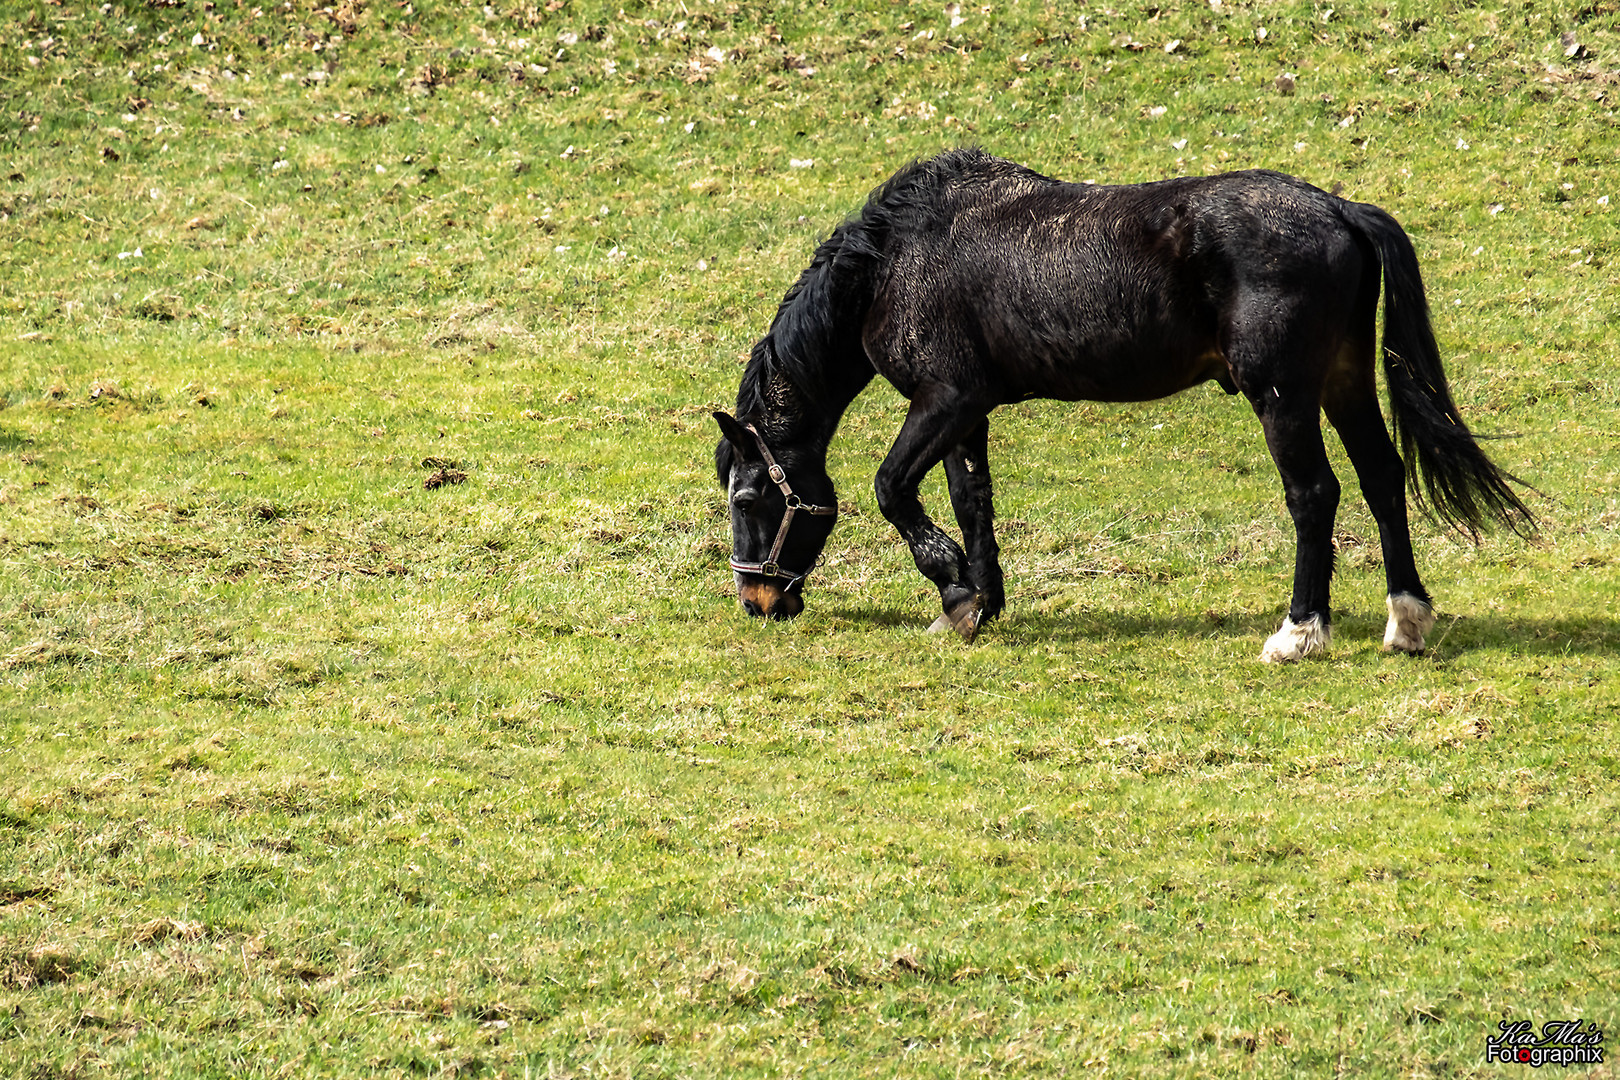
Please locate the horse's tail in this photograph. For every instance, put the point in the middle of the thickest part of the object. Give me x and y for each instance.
(1462, 485)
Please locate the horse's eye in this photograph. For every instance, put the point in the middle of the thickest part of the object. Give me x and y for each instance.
(744, 501)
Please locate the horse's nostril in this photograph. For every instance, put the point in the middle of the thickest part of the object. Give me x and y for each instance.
(787, 606)
(752, 608)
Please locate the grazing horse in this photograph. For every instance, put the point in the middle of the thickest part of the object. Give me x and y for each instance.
(968, 282)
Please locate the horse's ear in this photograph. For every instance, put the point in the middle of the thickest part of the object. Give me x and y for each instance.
(735, 434)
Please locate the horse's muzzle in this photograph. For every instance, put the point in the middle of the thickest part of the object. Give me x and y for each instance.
(768, 601)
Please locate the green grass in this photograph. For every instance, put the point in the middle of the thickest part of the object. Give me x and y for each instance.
(311, 767)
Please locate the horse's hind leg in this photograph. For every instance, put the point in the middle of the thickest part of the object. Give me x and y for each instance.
(967, 470)
(1354, 413)
(1294, 436)
(939, 420)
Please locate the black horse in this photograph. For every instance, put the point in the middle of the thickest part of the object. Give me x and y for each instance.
(968, 281)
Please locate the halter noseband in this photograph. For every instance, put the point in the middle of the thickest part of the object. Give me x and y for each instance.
(770, 567)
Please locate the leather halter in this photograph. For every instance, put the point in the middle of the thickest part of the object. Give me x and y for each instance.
(770, 567)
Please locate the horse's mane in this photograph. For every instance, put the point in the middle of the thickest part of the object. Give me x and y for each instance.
(819, 319)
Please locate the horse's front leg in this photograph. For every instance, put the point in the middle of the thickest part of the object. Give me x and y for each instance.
(967, 470)
(939, 419)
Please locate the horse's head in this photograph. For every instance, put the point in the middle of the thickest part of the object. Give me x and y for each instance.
(782, 511)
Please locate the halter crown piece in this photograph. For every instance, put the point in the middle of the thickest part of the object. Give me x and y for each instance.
(770, 567)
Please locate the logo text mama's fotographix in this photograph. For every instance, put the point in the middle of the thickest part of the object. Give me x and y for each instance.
(1560, 1042)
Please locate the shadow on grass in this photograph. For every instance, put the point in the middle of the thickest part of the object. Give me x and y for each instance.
(1451, 636)
(1535, 637)
(1073, 627)
(871, 615)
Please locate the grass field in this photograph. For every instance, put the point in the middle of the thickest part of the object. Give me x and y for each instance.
(373, 696)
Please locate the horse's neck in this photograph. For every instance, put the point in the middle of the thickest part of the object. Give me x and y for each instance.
(792, 419)
(803, 429)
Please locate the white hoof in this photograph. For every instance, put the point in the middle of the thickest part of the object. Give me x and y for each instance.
(1296, 641)
(940, 625)
(1409, 619)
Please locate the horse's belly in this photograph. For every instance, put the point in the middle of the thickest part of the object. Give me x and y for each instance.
(1130, 374)
(1030, 345)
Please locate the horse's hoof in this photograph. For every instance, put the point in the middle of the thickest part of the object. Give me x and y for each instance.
(1295, 641)
(940, 625)
(966, 617)
(1409, 619)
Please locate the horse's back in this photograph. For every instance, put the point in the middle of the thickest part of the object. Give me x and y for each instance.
(1029, 286)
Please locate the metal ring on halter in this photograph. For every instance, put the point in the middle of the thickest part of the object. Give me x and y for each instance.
(769, 567)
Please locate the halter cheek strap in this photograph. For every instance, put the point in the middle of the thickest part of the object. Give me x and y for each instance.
(770, 567)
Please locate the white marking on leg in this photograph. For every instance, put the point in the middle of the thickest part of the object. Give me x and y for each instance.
(1409, 619)
(1295, 641)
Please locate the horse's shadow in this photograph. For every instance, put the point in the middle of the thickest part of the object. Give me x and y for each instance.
(1453, 633)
